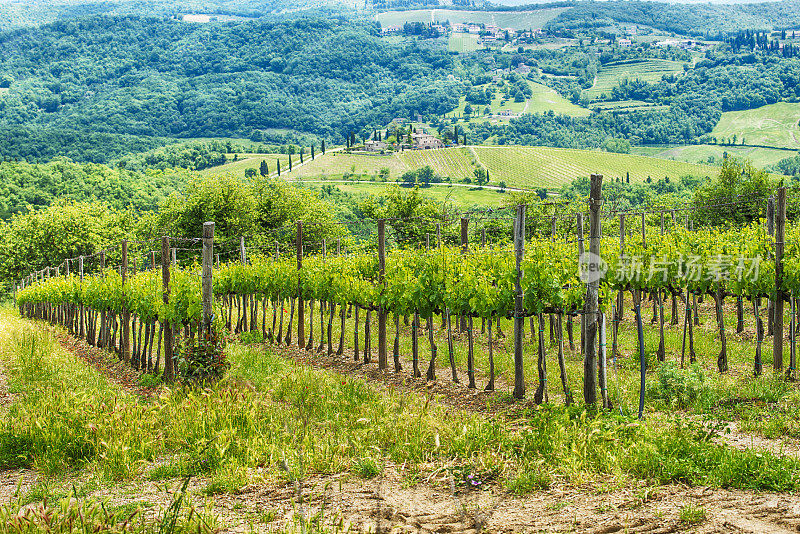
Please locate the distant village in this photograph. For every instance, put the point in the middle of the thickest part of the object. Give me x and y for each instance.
(491, 34)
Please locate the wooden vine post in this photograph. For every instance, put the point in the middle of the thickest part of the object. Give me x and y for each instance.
(382, 283)
(592, 292)
(208, 258)
(462, 323)
(771, 231)
(519, 318)
(169, 360)
(780, 230)
(126, 314)
(300, 315)
(80, 308)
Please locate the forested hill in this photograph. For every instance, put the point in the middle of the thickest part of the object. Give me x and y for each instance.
(697, 19)
(162, 77)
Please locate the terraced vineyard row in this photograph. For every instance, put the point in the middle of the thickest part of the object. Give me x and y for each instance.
(531, 167)
(455, 163)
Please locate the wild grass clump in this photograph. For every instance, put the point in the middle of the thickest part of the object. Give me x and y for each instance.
(73, 515)
(677, 388)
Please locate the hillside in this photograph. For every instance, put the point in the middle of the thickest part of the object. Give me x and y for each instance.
(517, 166)
(772, 125)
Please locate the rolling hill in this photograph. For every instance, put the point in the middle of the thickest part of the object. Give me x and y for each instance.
(517, 166)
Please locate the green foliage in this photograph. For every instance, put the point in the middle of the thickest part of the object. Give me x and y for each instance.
(367, 468)
(36, 239)
(201, 357)
(619, 146)
(719, 202)
(676, 387)
(25, 186)
(273, 66)
(692, 515)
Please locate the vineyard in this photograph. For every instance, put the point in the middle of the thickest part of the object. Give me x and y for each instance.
(510, 164)
(557, 166)
(645, 70)
(563, 279)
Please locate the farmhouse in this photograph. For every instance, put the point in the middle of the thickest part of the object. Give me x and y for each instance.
(424, 141)
(523, 69)
(625, 43)
(375, 146)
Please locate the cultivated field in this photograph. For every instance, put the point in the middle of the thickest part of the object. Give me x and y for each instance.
(773, 125)
(463, 42)
(517, 20)
(517, 166)
(530, 167)
(649, 70)
(461, 197)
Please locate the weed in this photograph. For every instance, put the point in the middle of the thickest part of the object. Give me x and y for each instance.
(147, 380)
(528, 479)
(367, 468)
(250, 338)
(692, 514)
(675, 387)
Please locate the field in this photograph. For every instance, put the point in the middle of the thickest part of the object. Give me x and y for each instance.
(543, 99)
(463, 42)
(649, 70)
(773, 125)
(253, 161)
(713, 154)
(460, 197)
(531, 167)
(519, 20)
(523, 167)
(626, 106)
(356, 446)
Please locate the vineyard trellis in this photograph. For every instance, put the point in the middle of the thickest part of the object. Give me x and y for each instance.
(124, 309)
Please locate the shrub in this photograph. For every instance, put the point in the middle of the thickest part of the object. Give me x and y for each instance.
(677, 387)
(201, 358)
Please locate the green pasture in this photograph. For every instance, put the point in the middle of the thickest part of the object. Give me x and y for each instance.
(760, 157)
(647, 70)
(773, 125)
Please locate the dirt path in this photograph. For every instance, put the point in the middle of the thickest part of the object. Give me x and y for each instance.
(387, 504)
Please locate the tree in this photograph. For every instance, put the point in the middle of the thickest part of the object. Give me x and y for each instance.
(278, 165)
(323, 146)
(481, 176)
(36, 239)
(250, 172)
(728, 199)
(264, 168)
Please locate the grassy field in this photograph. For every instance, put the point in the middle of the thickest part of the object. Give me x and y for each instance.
(543, 99)
(760, 157)
(648, 70)
(519, 20)
(463, 42)
(460, 197)
(773, 125)
(524, 167)
(253, 161)
(627, 105)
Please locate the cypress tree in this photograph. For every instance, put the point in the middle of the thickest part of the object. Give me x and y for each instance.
(301, 155)
(312, 152)
(290, 163)
(323, 146)
(278, 163)
(264, 169)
